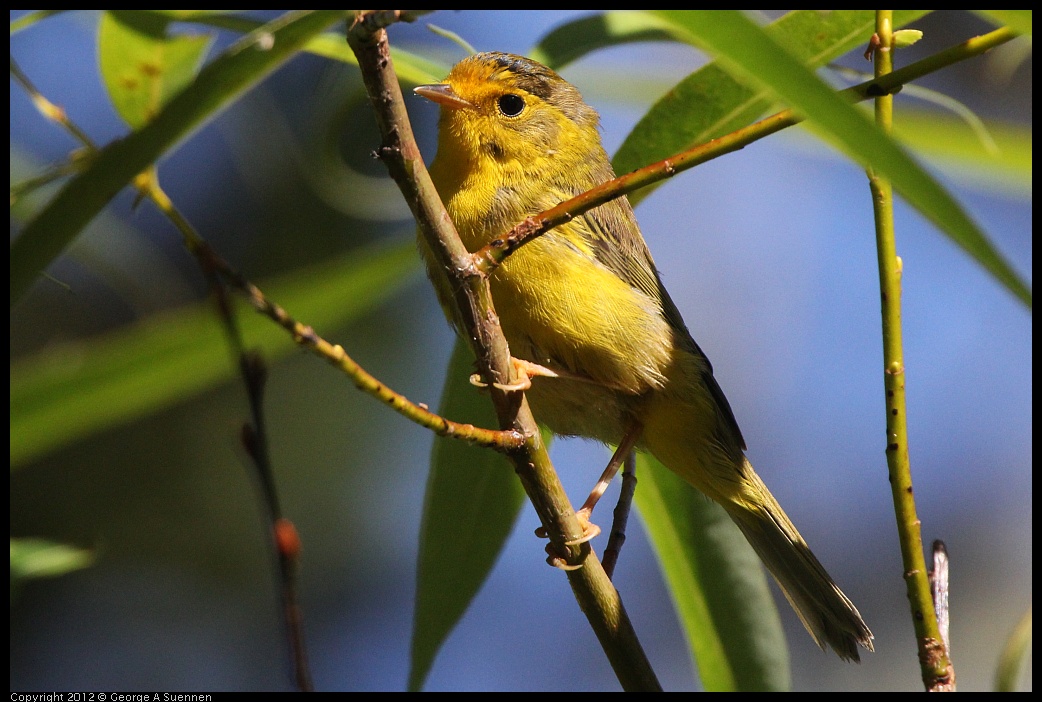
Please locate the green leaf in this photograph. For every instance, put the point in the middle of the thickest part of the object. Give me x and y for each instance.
(30, 18)
(472, 501)
(81, 388)
(217, 85)
(1014, 653)
(710, 102)
(1017, 20)
(573, 40)
(754, 54)
(903, 38)
(142, 66)
(717, 583)
(40, 558)
(187, 15)
(1001, 163)
(411, 68)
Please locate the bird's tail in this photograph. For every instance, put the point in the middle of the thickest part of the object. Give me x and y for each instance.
(829, 616)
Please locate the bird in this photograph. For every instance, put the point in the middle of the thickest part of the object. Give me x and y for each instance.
(584, 305)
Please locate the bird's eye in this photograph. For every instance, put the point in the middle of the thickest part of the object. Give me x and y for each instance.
(511, 105)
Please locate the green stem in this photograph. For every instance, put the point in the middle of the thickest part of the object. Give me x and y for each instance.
(933, 658)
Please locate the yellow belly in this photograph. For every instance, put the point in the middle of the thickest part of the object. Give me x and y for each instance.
(562, 309)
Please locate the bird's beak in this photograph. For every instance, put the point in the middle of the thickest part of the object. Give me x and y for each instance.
(443, 94)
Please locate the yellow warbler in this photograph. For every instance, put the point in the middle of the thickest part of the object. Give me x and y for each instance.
(584, 302)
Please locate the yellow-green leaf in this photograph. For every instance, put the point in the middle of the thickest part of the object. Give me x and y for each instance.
(572, 40)
(906, 37)
(717, 583)
(409, 67)
(472, 501)
(217, 85)
(1001, 163)
(1017, 20)
(755, 56)
(83, 387)
(143, 66)
(1011, 662)
(710, 102)
(42, 558)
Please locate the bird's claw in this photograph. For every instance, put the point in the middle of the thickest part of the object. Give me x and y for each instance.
(524, 370)
(590, 530)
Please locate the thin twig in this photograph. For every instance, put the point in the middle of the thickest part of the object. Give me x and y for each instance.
(504, 441)
(283, 534)
(49, 110)
(147, 185)
(621, 515)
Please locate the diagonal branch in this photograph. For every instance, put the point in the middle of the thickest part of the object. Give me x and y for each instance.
(496, 252)
(596, 596)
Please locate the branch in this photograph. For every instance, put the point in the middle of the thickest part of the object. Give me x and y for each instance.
(496, 252)
(933, 659)
(283, 533)
(597, 597)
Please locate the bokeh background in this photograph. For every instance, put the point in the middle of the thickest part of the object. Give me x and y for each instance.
(769, 254)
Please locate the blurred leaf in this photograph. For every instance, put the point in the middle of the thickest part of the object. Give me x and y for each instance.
(752, 53)
(1014, 654)
(40, 558)
(1001, 164)
(78, 389)
(141, 65)
(185, 15)
(573, 40)
(217, 85)
(717, 584)
(410, 68)
(1017, 20)
(710, 102)
(31, 18)
(472, 501)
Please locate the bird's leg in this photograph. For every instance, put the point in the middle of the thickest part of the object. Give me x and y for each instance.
(625, 448)
(590, 530)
